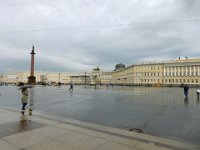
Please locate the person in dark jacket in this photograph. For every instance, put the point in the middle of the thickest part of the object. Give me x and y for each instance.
(186, 89)
(71, 87)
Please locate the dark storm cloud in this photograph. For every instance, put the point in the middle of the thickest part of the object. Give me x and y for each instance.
(78, 35)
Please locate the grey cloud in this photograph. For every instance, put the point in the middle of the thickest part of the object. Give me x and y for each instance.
(84, 47)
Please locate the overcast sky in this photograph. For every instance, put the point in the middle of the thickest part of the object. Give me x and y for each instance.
(78, 35)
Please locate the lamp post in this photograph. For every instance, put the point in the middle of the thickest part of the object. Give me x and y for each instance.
(59, 83)
(85, 78)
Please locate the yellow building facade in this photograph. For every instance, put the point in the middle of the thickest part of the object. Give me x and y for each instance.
(168, 73)
(124, 76)
(106, 78)
(182, 72)
(148, 74)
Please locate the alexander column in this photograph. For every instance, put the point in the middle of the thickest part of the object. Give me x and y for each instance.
(31, 79)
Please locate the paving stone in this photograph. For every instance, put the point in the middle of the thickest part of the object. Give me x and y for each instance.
(51, 145)
(81, 140)
(51, 131)
(25, 139)
(115, 146)
(6, 146)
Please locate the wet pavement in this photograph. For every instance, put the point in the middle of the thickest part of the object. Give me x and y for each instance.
(40, 132)
(160, 112)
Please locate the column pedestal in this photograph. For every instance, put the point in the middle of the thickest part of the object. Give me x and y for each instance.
(31, 80)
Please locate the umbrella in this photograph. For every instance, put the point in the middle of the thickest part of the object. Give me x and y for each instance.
(25, 87)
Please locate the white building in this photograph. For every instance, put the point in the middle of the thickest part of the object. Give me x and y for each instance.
(45, 77)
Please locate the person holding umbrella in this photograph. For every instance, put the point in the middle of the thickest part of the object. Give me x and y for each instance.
(24, 98)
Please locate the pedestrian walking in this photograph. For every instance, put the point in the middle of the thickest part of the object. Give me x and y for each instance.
(71, 87)
(24, 99)
(186, 89)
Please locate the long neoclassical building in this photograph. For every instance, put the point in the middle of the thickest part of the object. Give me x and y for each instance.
(166, 73)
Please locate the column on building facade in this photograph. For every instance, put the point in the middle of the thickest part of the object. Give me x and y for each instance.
(186, 71)
(194, 71)
(171, 71)
(167, 71)
(164, 71)
(190, 70)
(198, 71)
(182, 69)
(175, 71)
(178, 69)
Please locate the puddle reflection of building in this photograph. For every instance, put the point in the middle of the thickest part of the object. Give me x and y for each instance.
(31, 101)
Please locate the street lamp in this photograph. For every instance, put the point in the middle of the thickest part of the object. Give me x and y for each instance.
(85, 78)
(59, 83)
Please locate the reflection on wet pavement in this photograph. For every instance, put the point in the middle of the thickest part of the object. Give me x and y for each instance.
(24, 124)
